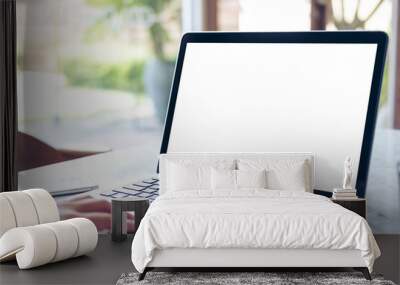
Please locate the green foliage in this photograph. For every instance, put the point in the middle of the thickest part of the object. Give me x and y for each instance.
(385, 87)
(158, 33)
(118, 5)
(115, 76)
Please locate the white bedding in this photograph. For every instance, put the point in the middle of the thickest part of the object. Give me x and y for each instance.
(250, 218)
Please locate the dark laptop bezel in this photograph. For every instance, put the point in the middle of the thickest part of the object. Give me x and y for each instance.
(352, 37)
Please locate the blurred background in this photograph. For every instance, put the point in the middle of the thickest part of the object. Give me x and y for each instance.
(94, 78)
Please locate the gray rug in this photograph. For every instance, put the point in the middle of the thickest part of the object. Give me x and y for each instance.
(228, 278)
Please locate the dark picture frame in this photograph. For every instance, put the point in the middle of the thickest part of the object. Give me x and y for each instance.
(320, 37)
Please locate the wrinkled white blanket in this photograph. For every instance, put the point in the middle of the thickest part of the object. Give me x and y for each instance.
(250, 219)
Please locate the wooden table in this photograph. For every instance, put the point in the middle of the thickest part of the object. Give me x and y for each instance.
(120, 207)
(357, 205)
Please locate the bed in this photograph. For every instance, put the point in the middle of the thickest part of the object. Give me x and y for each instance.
(246, 211)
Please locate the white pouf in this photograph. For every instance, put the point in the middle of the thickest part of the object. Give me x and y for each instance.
(31, 233)
(45, 205)
(66, 237)
(87, 234)
(40, 244)
(23, 208)
(26, 208)
(7, 220)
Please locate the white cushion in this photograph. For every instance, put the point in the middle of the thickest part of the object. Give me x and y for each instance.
(66, 237)
(182, 177)
(31, 246)
(45, 205)
(26, 208)
(7, 218)
(237, 179)
(251, 178)
(189, 174)
(23, 208)
(40, 244)
(285, 174)
(87, 233)
(223, 179)
(229, 161)
(34, 244)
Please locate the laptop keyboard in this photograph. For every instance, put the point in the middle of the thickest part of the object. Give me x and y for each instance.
(147, 188)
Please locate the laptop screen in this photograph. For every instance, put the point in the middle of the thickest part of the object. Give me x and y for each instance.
(276, 97)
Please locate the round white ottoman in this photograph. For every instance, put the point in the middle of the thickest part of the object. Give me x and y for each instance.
(40, 244)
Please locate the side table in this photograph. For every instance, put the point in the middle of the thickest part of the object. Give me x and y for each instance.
(357, 205)
(119, 207)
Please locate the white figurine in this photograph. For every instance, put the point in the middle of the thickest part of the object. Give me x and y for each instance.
(348, 173)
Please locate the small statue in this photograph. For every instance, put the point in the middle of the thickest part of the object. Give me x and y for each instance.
(348, 173)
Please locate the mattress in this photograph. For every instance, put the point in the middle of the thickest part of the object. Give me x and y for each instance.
(250, 219)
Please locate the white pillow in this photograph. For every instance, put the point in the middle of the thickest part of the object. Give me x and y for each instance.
(191, 173)
(289, 179)
(185, 177)
(282, 174)
(237, 179)
(223, 179)
(251, 178)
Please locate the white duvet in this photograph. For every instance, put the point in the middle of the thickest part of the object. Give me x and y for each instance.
(250, 219)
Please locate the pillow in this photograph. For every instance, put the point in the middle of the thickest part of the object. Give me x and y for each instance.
(251, 178)
(282, 174)
(185, 177)
(288, 179)
(223, 179)
(236, 179)
(191, 173)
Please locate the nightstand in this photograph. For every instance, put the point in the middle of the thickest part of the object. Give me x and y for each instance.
(357, 205)
(119, 207)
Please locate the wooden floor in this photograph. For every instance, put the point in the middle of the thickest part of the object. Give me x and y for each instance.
(110, 260)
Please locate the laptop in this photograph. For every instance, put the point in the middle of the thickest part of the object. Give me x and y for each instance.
(275, 92)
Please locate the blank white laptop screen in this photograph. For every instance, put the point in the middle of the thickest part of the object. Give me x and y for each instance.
(268, 97)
